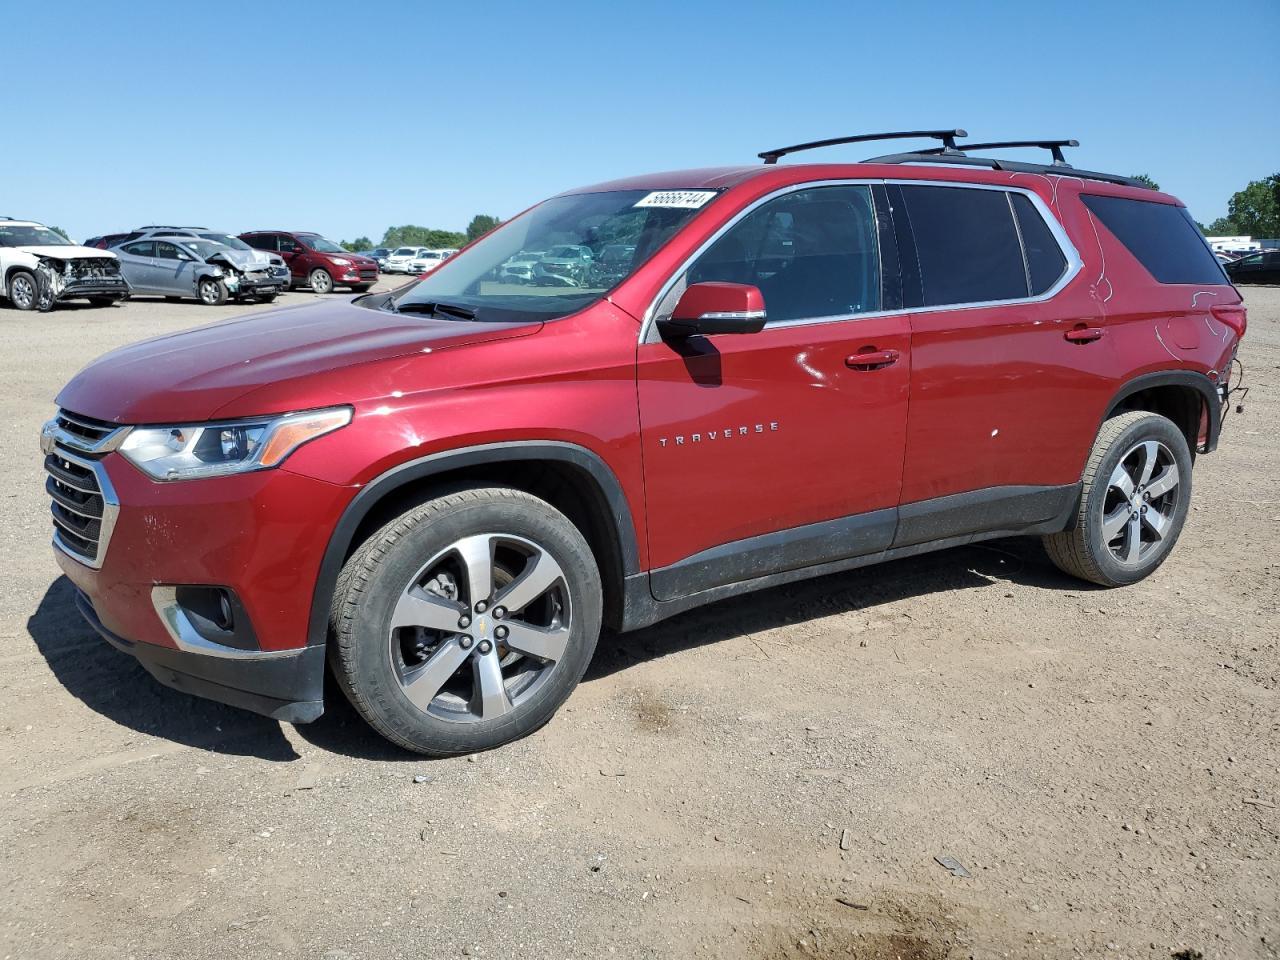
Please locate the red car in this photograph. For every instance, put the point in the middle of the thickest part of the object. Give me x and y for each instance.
(315, 261)
(446, 490)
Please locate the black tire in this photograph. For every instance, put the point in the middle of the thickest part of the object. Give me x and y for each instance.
(102, 301)
(362, 650)
(267, 297)
(23, 290)
(1085, 551)
(212, 292)
(321, 281)
(360, 287)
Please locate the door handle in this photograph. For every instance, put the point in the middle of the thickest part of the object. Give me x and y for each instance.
(871, 359)
(1083, 334)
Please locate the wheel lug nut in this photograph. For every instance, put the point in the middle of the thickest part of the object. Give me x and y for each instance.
(481, 607)
(464, 622)
(465, 643)
(485, 646)
(500, 633)
(499, 612)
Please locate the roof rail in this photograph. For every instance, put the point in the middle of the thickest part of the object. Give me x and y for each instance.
(1059, 166)
(948, 138)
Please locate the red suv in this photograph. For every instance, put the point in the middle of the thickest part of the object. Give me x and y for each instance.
(316, 262)
(446, 490)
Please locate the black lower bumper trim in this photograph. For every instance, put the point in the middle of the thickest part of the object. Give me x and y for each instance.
(288, 688)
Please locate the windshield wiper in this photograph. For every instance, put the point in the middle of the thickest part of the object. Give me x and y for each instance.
(450, 311)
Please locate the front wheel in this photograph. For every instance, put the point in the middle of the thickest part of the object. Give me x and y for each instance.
(1134, 501)
(102, 301)
(23, 292)
(466, 622)
(212, 291)
(321, 282)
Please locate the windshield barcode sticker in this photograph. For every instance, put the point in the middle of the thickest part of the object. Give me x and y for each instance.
(681, 199)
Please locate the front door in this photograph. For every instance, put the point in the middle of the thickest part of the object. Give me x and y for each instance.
(778, 450)
(175, 270)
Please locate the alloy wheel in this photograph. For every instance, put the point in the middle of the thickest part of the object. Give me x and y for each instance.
(22, 292)
(208, 292)
(480, 628)
(1141, 502)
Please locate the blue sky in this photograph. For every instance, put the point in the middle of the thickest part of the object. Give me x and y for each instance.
(335, 118)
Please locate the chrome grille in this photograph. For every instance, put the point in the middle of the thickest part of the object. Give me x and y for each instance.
(83, 504)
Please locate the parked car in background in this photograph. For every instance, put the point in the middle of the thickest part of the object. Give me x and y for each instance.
(519, 268)
(192, 267)
(428, 260)
(316, 261)
(379, 256)
(564, 265)
(612, 265)
(399, 259)
(1255, 268)
(40, 268)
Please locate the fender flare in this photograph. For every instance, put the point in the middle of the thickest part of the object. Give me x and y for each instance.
(1177, 378)
(414, 470)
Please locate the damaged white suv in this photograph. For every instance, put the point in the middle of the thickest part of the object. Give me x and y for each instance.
(41, 268)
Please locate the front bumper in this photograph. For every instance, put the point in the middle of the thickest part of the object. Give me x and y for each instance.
(259, 535)
(288, 686)
(94, 287)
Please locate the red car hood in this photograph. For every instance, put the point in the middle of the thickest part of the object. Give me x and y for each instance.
(189, 376)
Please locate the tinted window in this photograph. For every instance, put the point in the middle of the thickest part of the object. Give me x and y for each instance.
(143, 248)
(1045, 260)
(967, 245)
(812, 253)
(288, 244)
(168, 251)
(1163, 237)
(262, 241)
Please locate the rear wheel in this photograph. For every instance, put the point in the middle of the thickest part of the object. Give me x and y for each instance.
(1135, 497)
(212, 292)
(465, 623)
(23, 292)
(321, 281)
(102, 301)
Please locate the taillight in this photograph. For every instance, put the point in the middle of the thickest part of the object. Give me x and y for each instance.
(1233, 315)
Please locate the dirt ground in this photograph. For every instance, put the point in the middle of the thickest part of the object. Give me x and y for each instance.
(770, 778)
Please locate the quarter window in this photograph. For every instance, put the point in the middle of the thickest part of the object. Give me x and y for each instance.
(1161, 236)
(813, 253)
(967, 245)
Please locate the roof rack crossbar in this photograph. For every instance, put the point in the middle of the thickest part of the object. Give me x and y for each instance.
(948, 138)
(1011, 166)
(1053, 146)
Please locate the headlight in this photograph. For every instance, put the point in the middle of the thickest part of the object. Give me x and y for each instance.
(341, 261)
(216, 449)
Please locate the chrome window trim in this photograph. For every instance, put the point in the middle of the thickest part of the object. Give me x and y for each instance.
(164, 599)
(648, 328)
(110, 511)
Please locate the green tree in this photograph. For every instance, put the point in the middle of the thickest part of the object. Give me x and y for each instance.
(480, 224)
(359, 243)
(1256, 208)
(1223, 227)
(62, 233)
(1144, 178)
(411, 235)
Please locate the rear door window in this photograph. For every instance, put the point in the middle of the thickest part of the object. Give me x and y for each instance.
(1044, 258)
(1162, 237)
(143, 248)
(967, 245)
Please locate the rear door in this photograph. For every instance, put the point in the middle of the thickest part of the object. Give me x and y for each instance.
(138, 264)
(779, 450)
(1009, 361)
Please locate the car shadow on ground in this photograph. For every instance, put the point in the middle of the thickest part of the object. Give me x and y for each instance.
(114, 685)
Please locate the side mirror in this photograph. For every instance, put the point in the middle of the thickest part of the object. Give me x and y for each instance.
(713, 307)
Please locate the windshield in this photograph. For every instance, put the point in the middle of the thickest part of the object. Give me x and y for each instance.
(317, 242)
(23, 236)
(235, 243)
(204, 249)
(578, 226)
